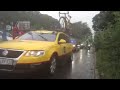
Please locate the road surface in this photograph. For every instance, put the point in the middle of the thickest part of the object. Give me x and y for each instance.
(82, 67)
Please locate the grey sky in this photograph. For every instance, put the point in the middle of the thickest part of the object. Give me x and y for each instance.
(84, 16)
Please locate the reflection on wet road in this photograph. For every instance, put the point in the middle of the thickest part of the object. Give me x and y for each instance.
(82, 67)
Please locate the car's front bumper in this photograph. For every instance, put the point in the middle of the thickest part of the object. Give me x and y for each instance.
(24, 68)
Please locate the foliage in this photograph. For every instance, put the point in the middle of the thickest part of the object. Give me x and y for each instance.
(80, 30)
(107, 42)
(37, 19)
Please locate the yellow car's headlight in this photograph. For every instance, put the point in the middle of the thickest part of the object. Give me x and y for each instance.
(74, 45)
(35, 53)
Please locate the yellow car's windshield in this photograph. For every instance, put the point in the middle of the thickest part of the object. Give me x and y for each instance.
(38, 36)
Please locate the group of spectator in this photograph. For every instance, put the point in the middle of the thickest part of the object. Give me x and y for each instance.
(15, 31)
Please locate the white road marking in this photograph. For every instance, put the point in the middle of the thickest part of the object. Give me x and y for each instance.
(81, 55)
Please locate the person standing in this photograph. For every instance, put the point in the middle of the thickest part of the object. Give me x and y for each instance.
(21, 32)
(4, 33)
(15, 31)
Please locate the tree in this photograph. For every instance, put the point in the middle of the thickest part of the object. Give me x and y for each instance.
(80, 30)
(37, 19)
(107, 43)
(101, 20)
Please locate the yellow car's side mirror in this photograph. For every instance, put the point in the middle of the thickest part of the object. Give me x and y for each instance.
(62, 41)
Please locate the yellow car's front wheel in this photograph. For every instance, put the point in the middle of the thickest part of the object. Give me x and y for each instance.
(52, 65)
(70, 58)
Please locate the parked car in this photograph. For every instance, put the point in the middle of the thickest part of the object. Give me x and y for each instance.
(36, 50)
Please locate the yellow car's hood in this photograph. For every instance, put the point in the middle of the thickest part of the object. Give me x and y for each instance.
(26, 45)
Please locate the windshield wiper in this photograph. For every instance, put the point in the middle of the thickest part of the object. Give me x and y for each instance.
(43, 37)
(30, 33)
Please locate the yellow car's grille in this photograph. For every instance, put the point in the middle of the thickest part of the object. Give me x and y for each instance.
(10, 53)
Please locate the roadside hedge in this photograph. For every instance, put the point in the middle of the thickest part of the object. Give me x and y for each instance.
(107, 44)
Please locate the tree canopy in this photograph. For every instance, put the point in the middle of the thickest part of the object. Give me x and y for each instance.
(37, 19)
(80, 30)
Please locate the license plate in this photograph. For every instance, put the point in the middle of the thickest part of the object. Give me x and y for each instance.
(6, 62)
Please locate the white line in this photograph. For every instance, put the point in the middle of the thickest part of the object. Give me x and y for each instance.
(81, 56)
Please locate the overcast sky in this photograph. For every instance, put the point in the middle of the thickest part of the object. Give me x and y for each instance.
(84, 16)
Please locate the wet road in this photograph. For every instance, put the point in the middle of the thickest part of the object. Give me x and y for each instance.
(81, 68)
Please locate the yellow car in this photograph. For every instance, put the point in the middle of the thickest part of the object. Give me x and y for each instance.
(35, 49)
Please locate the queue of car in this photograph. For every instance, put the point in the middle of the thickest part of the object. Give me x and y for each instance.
(84, 45)
(76, 46)
(36, 50)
